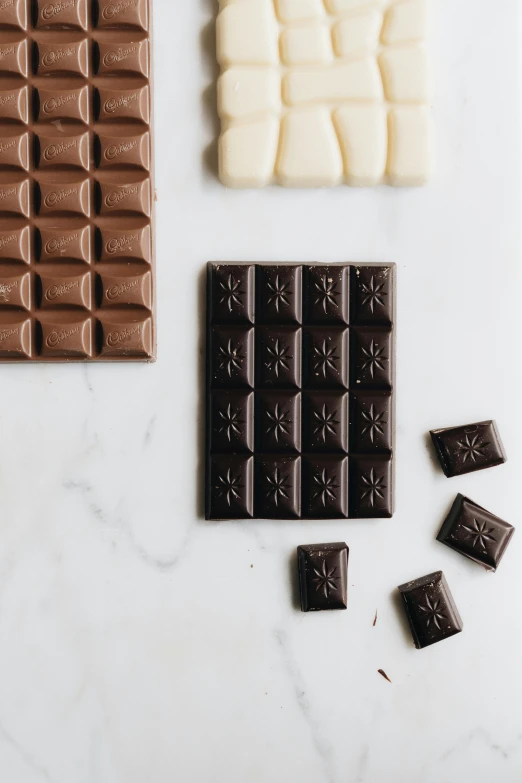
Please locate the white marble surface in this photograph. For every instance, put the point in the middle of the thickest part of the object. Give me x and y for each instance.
(139, 644)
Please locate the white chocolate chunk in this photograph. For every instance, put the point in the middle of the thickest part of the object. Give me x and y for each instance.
(308, 45)
(357, 34)
(299, 10)
(409, 159)
(339, 6)
(359, 80)
(247, 153)
(363, 136)
(406, 22)
(244, 91)
(309, 152)
(405, 74)
(247, 34)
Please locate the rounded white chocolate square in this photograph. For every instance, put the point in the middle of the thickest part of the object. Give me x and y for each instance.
(247, 34)
(357, 34)
(405, 74)
(299, 10)
(358, 80)
(244, 91)
(363, 136)
(406, 22)
(306, 45)
(409, 158)
(247, 153)
(309, 151)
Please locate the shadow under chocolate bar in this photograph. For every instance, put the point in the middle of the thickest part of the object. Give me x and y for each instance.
(300, 391)
(76, 181)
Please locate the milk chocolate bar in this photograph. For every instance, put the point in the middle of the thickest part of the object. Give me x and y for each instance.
(76, 193)
(300, 380)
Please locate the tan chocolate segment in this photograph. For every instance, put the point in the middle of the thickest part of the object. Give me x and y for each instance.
(16, 339)
(15, 199)
(71, 198)
(72, 290)
(64, 151)
(61, 14)
(63, 58)
(128, 244)
(14, 60)
(59, 244)
(125, 13)
(14, 152)
(72, 339)
(115, 105)
(61, 104)
(130, 58)
(15, 291)
(129, 151)
(14, 104)
(131, 199)
(15, 245)
(13, 14)
(125, 289)
(126, 338)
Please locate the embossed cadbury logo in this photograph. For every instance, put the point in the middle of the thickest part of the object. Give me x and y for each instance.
(53, 9)
(118, 55)
(115, 291)
(55, 150)
(56, 291)
(5, 290)
(6, 333)
(113, 9)
(7, 240)
(114, 197)
(55, 338)
(7, 4)
(115, 150)
(113, 104)
(58, 244)
(8, 146)
(121, 336)
(57, 196)
(50, 58)
(6, 52)
(55, 103)
(6, 99)
(7, 192)
(120, 243)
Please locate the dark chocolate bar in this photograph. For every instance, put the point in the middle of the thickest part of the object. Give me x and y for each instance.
(300, 364)
(76, 194)
(468, 448)
(476, 533)
(323, 576)
(430, 609)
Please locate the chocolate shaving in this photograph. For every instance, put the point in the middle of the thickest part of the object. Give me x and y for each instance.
(383, 674)
(375, 618)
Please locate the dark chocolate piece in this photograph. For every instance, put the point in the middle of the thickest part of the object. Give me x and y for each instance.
(76, 190)
(300, 375)
(476, 533)
(323, 576)
(468, 448)
(430, 609)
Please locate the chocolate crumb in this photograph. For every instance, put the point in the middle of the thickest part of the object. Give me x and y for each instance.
(383, 674)
(375, 618)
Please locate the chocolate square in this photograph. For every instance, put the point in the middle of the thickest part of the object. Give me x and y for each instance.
(232, 356)
(476, 533)
(327, 294)
(232, 420)
(468, 448)
(279, 294)
(371, 487)
(278, 478)
(372, 295)
(278, 421)
(430, 609)
(325, 421)
(325, 486)
(371, 365)
(323, 576)
(230, 494)
(278, 357)
(232, 293)
(371, 421)
(325, 353)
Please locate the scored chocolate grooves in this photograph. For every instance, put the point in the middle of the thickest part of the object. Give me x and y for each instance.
(300, 391)
(76, 189)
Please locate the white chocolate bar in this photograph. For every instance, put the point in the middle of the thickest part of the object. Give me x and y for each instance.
(316, 93)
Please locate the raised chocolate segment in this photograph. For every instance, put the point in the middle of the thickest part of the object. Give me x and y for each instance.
(430, 609)
(468, 448)
(476, 533)
(76, 194)
(323, 576)
(300, 391)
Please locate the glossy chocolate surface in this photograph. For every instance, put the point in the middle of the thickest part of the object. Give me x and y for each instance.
(323, 576)
(430, 609)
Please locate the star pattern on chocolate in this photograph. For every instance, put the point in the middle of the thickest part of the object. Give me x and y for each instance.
(325, 579)
(229, 486)
(230, 422)
(280, 356)
(230, 358)
(471, 448)
(280, 420)
(480, 533)
(325, 358)
(373, 293)
(374, 487)
(432, 611)
(375, 422)
(327, 422)
(325, 487)
(231, 292)
(374, 358)
(280, 292)
(279, 486)
(327, 293)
